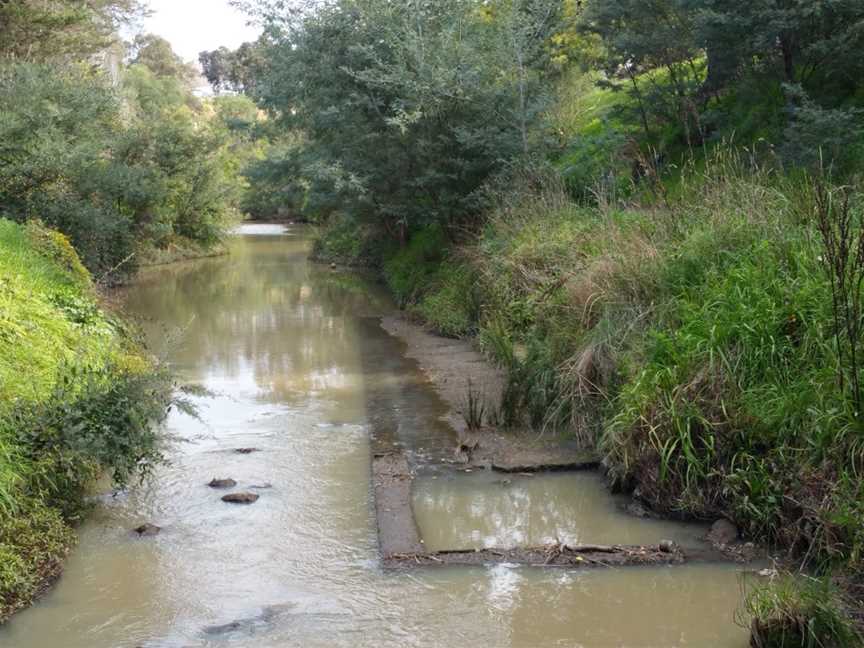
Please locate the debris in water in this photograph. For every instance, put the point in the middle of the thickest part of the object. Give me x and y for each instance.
(147, 530)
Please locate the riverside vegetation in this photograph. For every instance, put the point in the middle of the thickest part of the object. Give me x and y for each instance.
(108, 161)
(649, 213)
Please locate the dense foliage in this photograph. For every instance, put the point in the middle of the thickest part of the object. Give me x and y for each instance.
(77, 401)
(119, 155)
(405, 109)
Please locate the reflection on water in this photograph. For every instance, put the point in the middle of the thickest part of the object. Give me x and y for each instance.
(484, 509)
(301, 370)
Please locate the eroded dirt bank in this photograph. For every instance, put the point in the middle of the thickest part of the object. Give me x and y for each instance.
(454, 366)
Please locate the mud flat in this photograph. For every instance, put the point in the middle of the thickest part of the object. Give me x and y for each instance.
(454, 366)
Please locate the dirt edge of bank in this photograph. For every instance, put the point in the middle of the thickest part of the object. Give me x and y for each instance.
(452, 367)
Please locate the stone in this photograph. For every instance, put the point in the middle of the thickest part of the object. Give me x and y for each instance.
(637, 509)
(222, 483)
(668, 546)
(723, 533)
(241, 498)
(246, 450)
(147, 530)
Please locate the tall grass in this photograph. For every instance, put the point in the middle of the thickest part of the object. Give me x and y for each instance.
(800, 612)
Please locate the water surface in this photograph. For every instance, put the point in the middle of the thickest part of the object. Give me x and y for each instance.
(300, 369)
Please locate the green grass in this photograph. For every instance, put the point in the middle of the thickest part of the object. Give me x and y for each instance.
(77, 399)
(801, 612)
(49, 318)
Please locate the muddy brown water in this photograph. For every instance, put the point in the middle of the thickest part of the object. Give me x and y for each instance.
(300, 369)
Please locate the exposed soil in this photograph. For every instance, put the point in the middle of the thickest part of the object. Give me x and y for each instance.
(451, 366)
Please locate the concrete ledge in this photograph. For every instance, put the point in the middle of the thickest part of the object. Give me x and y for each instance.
(549, 556)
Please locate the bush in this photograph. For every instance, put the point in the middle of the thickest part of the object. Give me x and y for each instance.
(450, 304)
(94, 423)
(411, 271)
(112, 173)
(345, 241)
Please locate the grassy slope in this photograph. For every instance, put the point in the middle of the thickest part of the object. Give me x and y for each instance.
(51, 326)
(688, 336)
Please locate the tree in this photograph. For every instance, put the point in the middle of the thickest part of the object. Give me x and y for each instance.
(407, 108)
(233, 71)
(803, 40)
(156, 54)
(34, 30)
(652, 47)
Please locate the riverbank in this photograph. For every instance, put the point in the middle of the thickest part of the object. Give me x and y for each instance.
(689, 346)
(77, 396)
(453, 368)
(466, 380)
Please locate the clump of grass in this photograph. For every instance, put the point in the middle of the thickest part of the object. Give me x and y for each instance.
(449, 305)
(33, 544)
(797, 612)
(411, 271)
(474, 409)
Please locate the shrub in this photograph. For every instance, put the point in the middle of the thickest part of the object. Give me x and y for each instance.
(411, 270)
(94, 422)
(345, 241)
(32, 545)
(450, 304)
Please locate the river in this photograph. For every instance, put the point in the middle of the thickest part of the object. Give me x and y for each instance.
(298, 367)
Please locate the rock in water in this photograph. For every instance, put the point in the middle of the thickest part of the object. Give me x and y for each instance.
(723, 533)
(668, 546)
(637, 509)
(222, 483)
(147, 530)
(241, 498)
(246, 450)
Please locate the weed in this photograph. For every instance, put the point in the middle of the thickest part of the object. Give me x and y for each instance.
(474, 409)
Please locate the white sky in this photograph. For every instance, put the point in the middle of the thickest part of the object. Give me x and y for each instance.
(192, 26)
